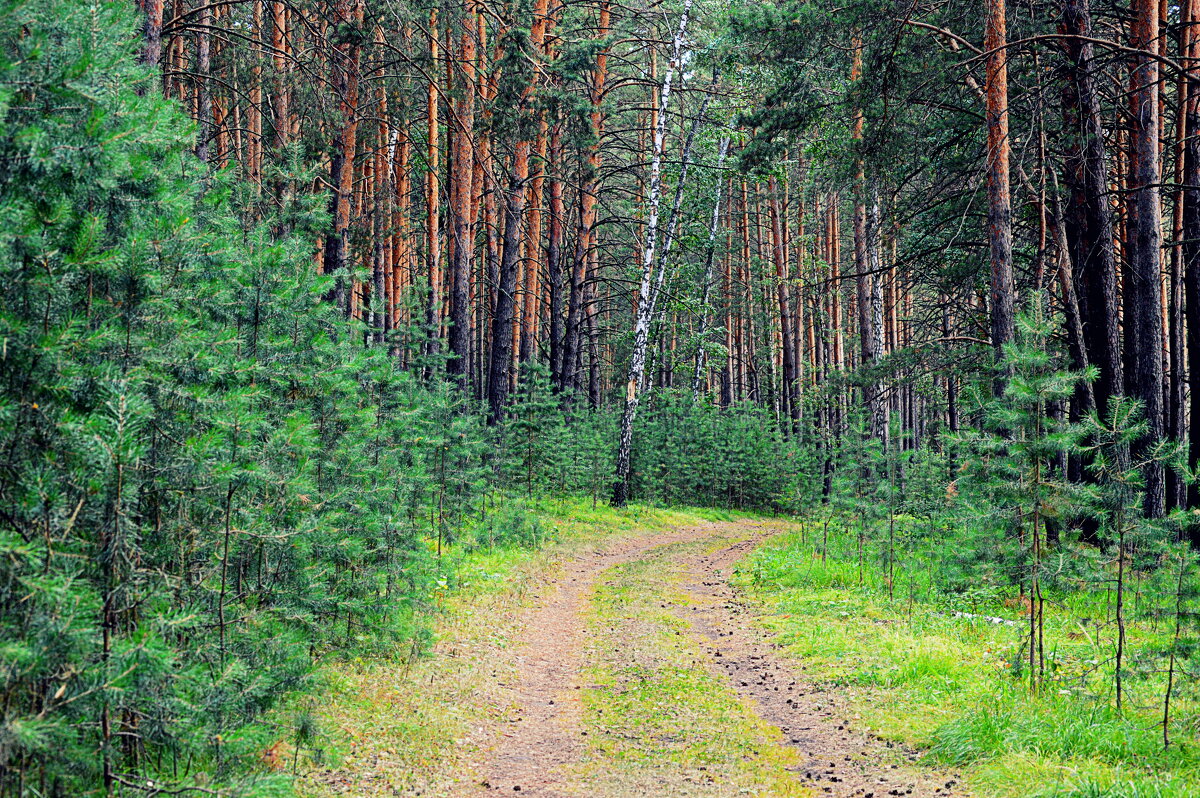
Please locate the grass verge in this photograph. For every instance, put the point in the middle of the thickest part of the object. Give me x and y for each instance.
(953, 685)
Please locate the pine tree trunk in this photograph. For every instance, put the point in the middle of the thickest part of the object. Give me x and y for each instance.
(589, 186)
(1191, 234)
(458, 367)
(152, 32)
(554, 253)
(433, 239)
(279, 34)
(1088, 219)
(706, 285)
(204, 131)
(506, 290)
(341, 165)
(788, 403)
(1145, 240)
(999, 215)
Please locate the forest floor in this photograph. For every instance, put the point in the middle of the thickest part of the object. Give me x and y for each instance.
(616, 665)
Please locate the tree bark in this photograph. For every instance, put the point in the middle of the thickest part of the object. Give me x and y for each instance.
(152, 32)
(458, 367)
(706, 287)
(589, 186)
(500, 361)
(433, 240)
(1088, 220)
(1145, 241)
(204, 120)
(554, 243)
(341, 163)
(1191, 234)
(999, 215)
(787, 393)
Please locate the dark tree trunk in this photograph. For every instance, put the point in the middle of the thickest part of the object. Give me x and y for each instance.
(1145, 241)
(572, 335)
(1088, 219)
(554, 255)
(500, 363)
(341, 163)
(789, 406)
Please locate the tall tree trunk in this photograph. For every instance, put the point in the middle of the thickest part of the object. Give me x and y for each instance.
(589, 187)
(458, 367)
(706, 287)
(1145, 240)
(1088, 220)
(878, 405)
(433, 238)
(281, 102)
(254, 139)
(533, 248)
(531, 312)
(788, 352)
(554, 252)
(204, 115)
(651, 284)
(999, 216)
(341, 162)
(500, 362)
(152, 32)
(1176, 426)
(504, 323)
(1191, 233)
(866, 270)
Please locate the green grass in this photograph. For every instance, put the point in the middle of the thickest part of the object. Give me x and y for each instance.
(957, 687)
(660, 719)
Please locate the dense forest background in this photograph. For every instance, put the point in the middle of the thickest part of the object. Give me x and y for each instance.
(301, 297)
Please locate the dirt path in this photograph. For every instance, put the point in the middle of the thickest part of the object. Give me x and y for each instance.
(544, 735)
(541, 748)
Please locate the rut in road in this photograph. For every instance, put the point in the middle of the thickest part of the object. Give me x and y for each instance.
(544, 750)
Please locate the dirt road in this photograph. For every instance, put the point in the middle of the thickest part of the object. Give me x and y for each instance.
(642, 673)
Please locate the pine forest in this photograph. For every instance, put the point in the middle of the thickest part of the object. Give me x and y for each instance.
(600, 398)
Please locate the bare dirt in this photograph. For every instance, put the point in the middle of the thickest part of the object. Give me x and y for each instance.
(544, 739)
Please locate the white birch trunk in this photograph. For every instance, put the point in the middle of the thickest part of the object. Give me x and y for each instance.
(651, 283)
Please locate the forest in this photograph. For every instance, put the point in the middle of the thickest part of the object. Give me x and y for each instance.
(598, 397)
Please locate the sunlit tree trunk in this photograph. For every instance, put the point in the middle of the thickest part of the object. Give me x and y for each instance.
(999, 213)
